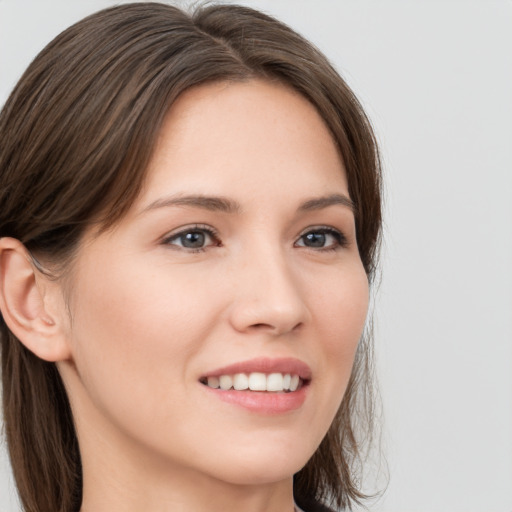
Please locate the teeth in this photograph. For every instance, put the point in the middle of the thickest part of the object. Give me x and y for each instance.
(256, 381)
(294, 383)
(213, 382)
(226, 382)
(240, 381)
(275, 382)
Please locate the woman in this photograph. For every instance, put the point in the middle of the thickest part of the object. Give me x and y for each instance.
(189, 223)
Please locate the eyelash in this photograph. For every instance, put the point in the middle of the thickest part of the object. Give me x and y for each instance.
(340, 238)
(196, 228)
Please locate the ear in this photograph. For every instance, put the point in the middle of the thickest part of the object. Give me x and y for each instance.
(31, 304)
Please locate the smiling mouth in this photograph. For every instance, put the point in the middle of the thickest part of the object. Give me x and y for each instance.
(256, 381)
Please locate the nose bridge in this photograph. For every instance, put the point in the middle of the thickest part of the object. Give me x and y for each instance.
(268, 294)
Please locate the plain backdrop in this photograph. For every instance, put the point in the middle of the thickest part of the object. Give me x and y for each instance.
(436, 79)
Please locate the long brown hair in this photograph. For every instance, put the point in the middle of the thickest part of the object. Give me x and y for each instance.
(76, 136)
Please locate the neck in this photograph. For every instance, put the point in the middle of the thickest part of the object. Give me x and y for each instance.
(180, 491)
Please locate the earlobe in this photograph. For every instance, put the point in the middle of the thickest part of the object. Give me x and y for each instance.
(26, 303)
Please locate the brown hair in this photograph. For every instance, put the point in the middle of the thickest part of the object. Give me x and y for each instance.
(76, 137)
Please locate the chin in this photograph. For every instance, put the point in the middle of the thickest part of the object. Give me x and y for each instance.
(263, 465)
(260, 474)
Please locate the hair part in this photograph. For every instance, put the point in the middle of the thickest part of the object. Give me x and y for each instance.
(78, 133)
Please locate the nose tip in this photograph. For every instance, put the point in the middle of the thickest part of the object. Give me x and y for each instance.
(262, 316)
(270, 303)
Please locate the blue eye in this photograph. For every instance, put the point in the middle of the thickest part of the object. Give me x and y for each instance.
(322, 238)
(195, 238)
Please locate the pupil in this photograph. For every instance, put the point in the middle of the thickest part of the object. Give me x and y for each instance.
(315, 239)
(193, 239)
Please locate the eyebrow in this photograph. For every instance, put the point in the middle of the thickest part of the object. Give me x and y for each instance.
(226, 205)
(324, 202)
(211, 203)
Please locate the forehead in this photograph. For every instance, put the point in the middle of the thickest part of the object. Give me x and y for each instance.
(241, 138)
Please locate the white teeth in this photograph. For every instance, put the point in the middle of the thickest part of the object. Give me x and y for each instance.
(294, 383)
(256, 381)
(213, 382)
(275, 382)
(240, 381)
(226, 382)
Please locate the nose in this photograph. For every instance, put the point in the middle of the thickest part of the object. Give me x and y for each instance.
(268, 296)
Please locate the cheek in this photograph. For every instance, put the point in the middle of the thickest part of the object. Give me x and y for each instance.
(133, 336)
(341, 315)
(340, 308)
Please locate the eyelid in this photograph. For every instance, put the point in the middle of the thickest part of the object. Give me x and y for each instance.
(212, 232)
(342, 240)
(338, 234)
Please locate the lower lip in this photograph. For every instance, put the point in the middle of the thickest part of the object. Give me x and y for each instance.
(263, 402)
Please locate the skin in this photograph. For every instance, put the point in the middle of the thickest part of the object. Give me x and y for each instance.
(146, 317)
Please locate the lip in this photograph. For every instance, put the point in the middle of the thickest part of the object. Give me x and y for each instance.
(265, 365)
(262, 402)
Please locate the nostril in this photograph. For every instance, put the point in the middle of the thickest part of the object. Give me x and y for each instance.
(275, 316)
(275, 328)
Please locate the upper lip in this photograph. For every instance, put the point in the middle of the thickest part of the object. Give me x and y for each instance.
(265, 365)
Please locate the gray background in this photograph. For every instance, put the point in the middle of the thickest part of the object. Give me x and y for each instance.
(436, 79)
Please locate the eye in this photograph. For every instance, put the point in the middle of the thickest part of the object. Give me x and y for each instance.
(322, 238)
(194, 238)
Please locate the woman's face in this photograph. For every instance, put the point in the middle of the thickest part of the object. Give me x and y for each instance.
(237, 261)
